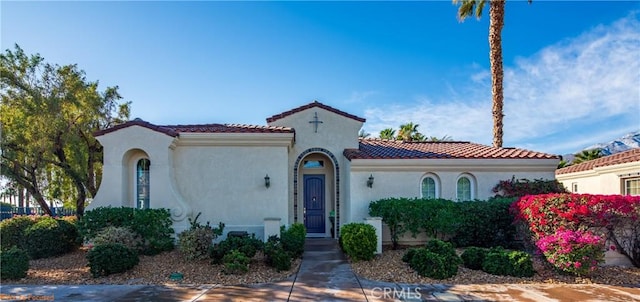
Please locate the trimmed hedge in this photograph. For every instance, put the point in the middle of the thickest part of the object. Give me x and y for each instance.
(437, 260)
(293, 239)
(50, 237)
(14, 264)
(358, 240)
(499, 261)
(473, 257)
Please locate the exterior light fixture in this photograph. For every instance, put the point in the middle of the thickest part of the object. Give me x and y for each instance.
(370, 181)
(267, 181)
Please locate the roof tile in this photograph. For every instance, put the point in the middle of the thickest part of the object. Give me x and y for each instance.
(628, 156)
(397, 149)
(312, 105)
(175, 130)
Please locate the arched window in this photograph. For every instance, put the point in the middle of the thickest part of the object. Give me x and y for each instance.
(465, 187)
(142, 183)
(429, 187)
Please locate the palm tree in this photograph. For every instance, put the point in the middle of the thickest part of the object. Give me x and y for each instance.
(387, 133)
(587, 155)
(445, 138)
(496, 23)
(408, 132)
(363, 134)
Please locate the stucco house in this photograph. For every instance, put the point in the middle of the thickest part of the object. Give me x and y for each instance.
(306, 165)
(614, 174)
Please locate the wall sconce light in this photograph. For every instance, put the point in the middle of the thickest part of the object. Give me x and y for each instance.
(370, 181)
(267, 181)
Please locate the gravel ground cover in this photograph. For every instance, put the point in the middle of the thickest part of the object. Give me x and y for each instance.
(72, 269)
(390, 268)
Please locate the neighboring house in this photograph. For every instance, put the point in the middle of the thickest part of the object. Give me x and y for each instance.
(614, 174)
(307, 165)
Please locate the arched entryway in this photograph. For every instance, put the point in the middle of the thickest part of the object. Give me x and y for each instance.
(316, 183)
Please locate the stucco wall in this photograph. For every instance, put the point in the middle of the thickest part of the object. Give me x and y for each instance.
(602, 180)
(334, 134)
(403, 178)
(227, 183)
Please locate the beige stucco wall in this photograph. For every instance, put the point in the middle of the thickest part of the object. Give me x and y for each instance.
(601, 180)
(220, 175)
(402, 178)
(335, 134)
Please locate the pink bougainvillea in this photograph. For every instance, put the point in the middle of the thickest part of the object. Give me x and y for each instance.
(570, 229)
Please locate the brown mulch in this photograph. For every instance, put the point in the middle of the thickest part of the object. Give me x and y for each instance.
(390, 268)
(72, 268)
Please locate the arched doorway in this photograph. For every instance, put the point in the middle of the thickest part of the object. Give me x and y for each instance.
(315, 193)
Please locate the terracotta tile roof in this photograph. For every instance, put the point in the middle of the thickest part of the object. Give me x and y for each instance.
(396, 149)
(137, 122)
(175, 130)
(312, 105)
(628, 156)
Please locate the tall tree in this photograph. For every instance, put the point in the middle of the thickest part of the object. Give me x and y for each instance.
(587, 155)
(496, 23)
(48, 114)
(388, 133)
(409, 132)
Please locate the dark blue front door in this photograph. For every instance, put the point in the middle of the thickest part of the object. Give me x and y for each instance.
(314, 203)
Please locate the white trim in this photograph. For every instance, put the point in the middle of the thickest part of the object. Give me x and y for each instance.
(236, 139)
(479, 165)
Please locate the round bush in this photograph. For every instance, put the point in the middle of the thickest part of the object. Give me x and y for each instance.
(12, 231)
(111, 258)
(473, 257)
(236, 262)
(432, 265)
(444, 249)
(293, 239)
(408, 255)
(45, 239)
(14, 264)
(359, 240)
(122, 235)
(70, 235)
(508, 263)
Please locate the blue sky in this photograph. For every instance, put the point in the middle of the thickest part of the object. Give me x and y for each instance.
(572, 69)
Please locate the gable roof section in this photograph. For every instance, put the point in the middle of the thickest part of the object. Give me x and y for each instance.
(628, 156)
(312, 105)
(396, 149)
(175, 130)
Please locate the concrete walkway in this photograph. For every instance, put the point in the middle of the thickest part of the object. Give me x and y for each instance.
(324, 275)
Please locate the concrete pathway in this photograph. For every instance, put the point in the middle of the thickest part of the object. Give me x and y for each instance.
(324, 275)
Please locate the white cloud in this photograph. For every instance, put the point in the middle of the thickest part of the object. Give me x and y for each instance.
(588, 80)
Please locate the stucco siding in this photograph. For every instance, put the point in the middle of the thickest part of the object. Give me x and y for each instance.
(602, 180)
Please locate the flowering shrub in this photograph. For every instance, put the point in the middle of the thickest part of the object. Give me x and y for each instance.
(573, 251)
(522, 187)
(611, 217)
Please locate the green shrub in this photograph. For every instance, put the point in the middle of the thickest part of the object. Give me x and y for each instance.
(236, 262)
(12, 231)
(153, 225)
(70, 235)
(444, 249)
(432, 265)
(111, 258)
(293, 239)
(14, 263)
(195, 242)
(485, 223)
(508, 263)
(408, 255)
(395, 213)
(358, 240)
(275, 255)
(473, 257)
(45, 239)
(122, 235)
(246, 245)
